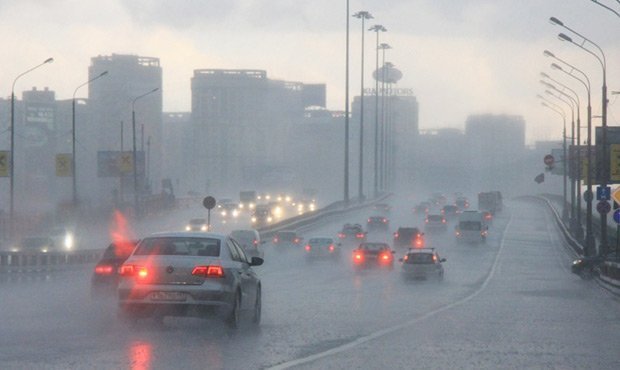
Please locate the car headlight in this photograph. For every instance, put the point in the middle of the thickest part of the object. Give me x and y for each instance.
(223, 213)
(253, 219)
(203, 228)
(235, 213)
(188, 228)
(269, 219)
(68, 241)
(15, 249)
(44, 250)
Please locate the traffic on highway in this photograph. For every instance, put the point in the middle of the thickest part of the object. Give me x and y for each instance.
(326, 302)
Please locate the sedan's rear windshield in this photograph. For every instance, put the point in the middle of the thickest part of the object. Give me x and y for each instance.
(435, 218)
(469, 225)
(179, 246)
(420, 258)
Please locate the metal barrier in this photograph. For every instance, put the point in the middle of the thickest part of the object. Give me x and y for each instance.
(51, 261)
(609, 271)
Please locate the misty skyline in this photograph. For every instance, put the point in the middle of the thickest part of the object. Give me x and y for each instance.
(460, 58)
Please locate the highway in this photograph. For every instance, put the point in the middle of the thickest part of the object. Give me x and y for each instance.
(509, 303)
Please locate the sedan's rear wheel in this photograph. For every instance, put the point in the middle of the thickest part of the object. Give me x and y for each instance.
(257, 307)
(234, 316)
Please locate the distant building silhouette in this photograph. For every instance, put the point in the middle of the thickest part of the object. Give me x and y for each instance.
(110, 101)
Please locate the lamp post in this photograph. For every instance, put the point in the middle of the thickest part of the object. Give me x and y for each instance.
(383, 47)
(606, 7)
(575, 164)
(560, 111)
(73, 161)
(585, 81)
(363, 15)
(604, 172)
(12, 159)
(346, 115)
(571, 104)
(377, 28)
(135, 162)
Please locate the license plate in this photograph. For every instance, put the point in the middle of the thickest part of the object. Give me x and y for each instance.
(168, 296)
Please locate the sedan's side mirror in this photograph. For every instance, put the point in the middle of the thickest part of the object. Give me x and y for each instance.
(442, 260)
(256, 261)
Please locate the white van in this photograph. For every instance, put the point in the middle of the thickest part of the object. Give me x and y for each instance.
(471, 228)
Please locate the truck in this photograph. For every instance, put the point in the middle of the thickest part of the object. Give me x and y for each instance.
(490, 201)
(262, 216)
(471, 228)
(247, 199)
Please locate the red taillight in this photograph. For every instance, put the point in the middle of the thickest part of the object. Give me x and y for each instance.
(331, 247)
(216, 271)
(275, 240)
(396, 235)
(360, 235)
(358, 257)
(104, 269)
(296, 240)
(434, 258)
(342, 235)
(406, 257)
(426, 220)
(255, 242)
(133, 270)
(386, 257)
(369, 220)
(443, 220)
(419, 242)
(385, 220)
(308, 248)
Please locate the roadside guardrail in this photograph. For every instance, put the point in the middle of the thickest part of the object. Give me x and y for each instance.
(609, 270)
(30, 262)
(50, 261)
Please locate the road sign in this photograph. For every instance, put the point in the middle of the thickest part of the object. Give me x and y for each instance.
(549, 160)
(4, 163)
(63, 165)
(617, 216)
(208, 202)
(603, 193)
(603, 207)
(615, 195)
(126, 162)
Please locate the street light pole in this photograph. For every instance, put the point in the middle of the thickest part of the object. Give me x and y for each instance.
(560, 111)
(12, 155)
(604, 172)
(135, 162)
(346, 115)
(575, 169)
(571, 105)
(73, 160)
(383, 47)
(363, 15)
(377, 28)
(606, 7)
(589, 239)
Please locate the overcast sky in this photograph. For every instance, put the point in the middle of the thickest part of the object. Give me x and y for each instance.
(459, 56)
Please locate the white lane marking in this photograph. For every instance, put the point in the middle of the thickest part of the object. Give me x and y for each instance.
(383, 332)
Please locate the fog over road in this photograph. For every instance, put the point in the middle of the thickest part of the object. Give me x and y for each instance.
(509, 303)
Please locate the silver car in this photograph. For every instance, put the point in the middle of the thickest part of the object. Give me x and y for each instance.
(324, 247)
(422, 263)
(189, 274)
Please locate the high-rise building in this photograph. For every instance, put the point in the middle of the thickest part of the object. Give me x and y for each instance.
(496, 146)
(241, 122)
(110, 100)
